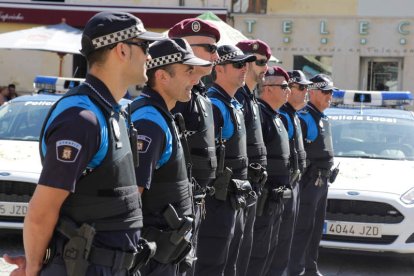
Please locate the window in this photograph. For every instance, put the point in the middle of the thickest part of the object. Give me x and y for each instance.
(312, 65)
(381, 74)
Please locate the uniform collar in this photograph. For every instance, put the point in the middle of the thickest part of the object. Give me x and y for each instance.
(151, 93)
(313, 107)
(268, 107)
(288, 108)
(101, 88)
(217, 88)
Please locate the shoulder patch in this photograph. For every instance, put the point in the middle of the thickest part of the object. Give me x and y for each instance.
(143, 143)
(67, 150)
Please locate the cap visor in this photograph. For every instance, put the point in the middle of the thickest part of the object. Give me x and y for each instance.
(246, 58)
(329, 87)
(195, 61)
(305, 82)
(151, 36)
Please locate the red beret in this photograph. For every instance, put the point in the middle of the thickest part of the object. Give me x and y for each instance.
(194, 26)
(276, 71)
(255, 46)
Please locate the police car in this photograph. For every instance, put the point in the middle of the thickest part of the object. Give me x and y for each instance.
(21, 121)
(371, 203)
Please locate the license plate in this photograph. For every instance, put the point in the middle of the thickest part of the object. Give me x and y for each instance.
(352, 229)
(13, 209)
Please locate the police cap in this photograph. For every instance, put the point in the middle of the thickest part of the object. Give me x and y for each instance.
(277, 71)
(230, 53)
(194, 26)
(107, 28)
(176, 50)
(255, 46)
(322, 82)
(297, 76)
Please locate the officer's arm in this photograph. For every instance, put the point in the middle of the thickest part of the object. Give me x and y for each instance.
(62, 167)
(218, 120)
(39, 224)
(303, 127)
(151, 143)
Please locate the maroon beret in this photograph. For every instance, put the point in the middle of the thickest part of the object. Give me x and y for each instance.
(194, 26)
(276, 71)
(255, 46)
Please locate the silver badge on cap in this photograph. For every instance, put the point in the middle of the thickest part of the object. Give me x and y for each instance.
(255, 46)
(195, 26)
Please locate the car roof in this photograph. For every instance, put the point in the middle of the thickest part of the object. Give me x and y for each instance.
(53, 98)
(37, 97)
(379, 112)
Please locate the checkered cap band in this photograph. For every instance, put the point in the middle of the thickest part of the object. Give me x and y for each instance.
(318, 85)
(226, 57)
(294, 79)
(118, 36)
(164, 60)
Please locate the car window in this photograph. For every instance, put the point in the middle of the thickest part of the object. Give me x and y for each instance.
(373, 137)
(23, 120)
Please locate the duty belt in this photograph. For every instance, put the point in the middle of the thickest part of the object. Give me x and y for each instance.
(78, 251)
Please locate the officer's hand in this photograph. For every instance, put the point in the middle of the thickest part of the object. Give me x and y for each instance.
(20, 261)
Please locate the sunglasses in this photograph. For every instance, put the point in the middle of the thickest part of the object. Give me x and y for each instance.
(327, 92)
(282, 86)
(300, 87)
(143, 45)
(236, 65)
(261, 62)
(211, 48)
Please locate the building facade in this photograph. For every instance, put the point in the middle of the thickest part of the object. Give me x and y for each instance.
(363, 44)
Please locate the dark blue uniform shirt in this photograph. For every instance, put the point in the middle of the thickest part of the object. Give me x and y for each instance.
(82, 128)
(154, 138)
(222, 116)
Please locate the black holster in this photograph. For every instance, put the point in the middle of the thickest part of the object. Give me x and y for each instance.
(257, 176)
(146, 250)
(172, 245)
(241, 194)
(76, 250)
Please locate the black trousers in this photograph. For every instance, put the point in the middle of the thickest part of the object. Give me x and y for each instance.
(281, 254)
(265, 234)
(214, 238)
(247, 242)
(309, 227)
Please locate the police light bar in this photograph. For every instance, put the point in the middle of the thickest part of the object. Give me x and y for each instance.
(372, 98)
(55, 85)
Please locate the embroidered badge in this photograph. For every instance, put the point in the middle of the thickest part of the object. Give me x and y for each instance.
(255, 46)
(143, 143)
(67, 150)
(196, 26)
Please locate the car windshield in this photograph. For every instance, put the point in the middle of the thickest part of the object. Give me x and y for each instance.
(366, 136)
(23, 120)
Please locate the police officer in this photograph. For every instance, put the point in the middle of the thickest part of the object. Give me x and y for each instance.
(256, 150)
(87, 197)
(314, 188)
(298, 89)
(273, 94)
(198, 115)
(231, 185)
(162, 175)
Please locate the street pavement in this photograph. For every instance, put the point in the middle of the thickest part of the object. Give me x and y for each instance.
(330, 263)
